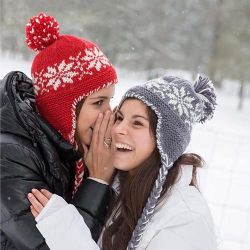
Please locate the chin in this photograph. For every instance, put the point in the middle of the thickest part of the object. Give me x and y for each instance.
(86, 141)
(122, 167)
(118, 167)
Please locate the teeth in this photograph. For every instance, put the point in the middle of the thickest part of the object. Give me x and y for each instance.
(123, 146)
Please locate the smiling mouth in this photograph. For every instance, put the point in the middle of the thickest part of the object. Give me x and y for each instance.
(122, 147)
(123, 150)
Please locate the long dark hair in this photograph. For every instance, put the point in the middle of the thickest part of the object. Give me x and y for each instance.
(134, 192)
(77, 137)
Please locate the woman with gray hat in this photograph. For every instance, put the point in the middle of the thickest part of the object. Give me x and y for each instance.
(158, 203)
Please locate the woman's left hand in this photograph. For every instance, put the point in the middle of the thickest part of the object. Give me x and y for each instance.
(38, 200)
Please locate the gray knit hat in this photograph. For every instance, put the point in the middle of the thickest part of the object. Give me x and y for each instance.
(178, 104)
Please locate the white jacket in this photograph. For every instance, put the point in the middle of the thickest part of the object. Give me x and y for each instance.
(182, 221)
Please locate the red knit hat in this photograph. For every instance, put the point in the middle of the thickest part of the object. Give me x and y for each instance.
(65, 70)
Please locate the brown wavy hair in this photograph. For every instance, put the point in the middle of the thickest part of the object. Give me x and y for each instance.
(134, 192)
(77, 137)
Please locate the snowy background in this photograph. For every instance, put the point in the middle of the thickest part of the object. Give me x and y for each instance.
(224, 142)
(181, 37)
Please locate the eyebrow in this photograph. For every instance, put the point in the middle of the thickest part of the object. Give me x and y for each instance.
(100, 97)
(134, 116)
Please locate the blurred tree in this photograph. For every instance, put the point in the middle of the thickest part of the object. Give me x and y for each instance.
(209, 36)
(232, 54)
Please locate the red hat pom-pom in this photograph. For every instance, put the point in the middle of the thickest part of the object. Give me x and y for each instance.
(41, 31)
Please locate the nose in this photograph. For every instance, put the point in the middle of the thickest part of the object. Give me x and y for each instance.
(120, 128)
(109, 107)
(106, 107)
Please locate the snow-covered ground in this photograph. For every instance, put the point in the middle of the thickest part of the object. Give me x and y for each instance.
(224, 143)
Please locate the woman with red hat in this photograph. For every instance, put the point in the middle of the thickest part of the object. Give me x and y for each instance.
(51, 127)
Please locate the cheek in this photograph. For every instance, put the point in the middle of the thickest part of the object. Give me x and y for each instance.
(87, 119)
(90, 119)
(83, 125)
(143, 139)
(81, 131)
(145, 146)
(113, 131)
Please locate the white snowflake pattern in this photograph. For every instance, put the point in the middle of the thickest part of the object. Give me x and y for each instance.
(181, 101)
(39, 83)
(96, 59)
(37, 87)
(158, 86)
(80, 66)
(66, 71)
(59, 74)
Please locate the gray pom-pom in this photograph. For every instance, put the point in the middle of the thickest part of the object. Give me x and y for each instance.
(205, 89)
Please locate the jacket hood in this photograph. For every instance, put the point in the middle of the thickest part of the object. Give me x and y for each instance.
(10, 100)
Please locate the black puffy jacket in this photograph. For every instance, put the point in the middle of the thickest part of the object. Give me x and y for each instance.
(34, 155)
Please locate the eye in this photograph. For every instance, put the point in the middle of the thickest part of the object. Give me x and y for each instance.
(98, 103)
(138, 123)
(118, 118)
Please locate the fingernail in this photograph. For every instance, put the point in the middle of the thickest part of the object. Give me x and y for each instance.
(29, 195)
(33, 190)
(99, 115)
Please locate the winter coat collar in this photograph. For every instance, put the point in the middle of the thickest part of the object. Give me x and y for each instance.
(19, 116)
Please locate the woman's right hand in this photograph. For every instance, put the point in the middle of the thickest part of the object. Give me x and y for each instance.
(98, 157)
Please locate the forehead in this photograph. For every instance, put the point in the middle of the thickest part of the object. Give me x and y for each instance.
(134, 106)
(107, 92)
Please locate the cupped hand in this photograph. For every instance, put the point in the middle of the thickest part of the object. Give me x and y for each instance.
(98, 158)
